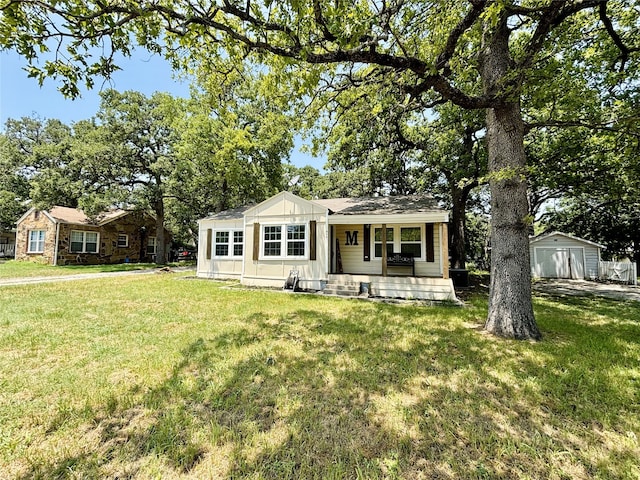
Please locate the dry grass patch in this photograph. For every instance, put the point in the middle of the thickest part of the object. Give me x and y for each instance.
(162, 377)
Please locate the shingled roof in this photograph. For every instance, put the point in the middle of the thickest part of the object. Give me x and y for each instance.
(405, 204)
(75, 216)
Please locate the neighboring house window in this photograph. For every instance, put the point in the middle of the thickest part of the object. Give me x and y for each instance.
(238, 241)
(229, 243)
(377, 239)
(84, 242)
(293, 244)
(411, 241)
(152, 246)
(123, 240)
(36, 241)
(222, 244)
(405, 240)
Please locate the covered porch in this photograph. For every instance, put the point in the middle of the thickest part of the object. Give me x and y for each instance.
(388, 247)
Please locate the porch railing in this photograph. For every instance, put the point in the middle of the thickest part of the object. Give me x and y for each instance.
(7, 250)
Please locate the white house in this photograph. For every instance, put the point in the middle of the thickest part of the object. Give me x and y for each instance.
(388, 246)
(558, 255)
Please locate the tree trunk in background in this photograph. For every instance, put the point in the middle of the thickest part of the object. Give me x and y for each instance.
(458, 251)
(161, 254)
(510, 305)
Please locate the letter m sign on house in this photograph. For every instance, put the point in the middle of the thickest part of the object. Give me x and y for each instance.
(352, 238)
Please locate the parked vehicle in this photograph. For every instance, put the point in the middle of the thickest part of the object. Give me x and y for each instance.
(184, 253)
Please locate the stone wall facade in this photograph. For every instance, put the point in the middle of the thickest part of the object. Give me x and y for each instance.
(36, 220)
(137, 228)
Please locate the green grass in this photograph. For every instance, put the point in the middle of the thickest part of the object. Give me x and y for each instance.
(17, 269)
(167, 377)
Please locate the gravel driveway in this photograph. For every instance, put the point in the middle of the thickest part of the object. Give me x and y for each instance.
(586, 289)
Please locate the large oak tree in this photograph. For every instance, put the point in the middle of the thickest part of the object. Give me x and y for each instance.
(431, 48)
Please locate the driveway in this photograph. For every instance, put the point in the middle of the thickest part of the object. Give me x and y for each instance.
(84, 276)
(584, 288)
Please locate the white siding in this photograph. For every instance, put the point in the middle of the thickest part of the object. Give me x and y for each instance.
(221, 268)
(353, 255)
(286, 209)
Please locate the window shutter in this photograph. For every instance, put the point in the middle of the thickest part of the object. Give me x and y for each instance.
(209, 243)
(429, 247)
(312, 240)
(367, 243)
(256, 241)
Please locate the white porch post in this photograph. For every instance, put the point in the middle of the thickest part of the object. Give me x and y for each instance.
(384, 249)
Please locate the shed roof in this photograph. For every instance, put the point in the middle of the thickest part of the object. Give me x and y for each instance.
(405, 204)
(545, 235)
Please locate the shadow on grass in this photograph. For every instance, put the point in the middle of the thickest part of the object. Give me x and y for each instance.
(388, 393)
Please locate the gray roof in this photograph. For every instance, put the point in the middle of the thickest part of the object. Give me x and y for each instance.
(231, 214)
(380, 205)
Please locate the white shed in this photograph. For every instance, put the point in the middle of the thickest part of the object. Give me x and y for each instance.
(559, 255)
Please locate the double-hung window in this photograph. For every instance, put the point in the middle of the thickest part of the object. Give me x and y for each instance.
(152, 246)
(238, 242)
(404, 240)
(36, 241)
(229, 243)
(222, 244)
(377, 239)
(123, 240)
(272, 245)
(284, 241)
(84, 242)
(296, 240)
(411, 241)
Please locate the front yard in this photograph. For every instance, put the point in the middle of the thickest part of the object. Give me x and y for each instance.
(162, 376)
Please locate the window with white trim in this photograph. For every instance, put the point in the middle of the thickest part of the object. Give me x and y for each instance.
(272, 240)
(36, 241)
(83, 242)
(238, 243)
(123, 240)
(377, 242)
(228, 243)
(222, 244)
(411, 241)
(284, 241)
(406, 240)
(152, 246)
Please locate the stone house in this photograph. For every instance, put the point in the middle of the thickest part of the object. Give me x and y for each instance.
(66, 236)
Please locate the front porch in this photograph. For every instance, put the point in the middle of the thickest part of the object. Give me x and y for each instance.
(7, 250)
(419, 288)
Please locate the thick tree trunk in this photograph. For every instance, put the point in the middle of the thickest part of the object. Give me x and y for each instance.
(510, 305)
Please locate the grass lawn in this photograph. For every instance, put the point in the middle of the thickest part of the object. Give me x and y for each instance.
(17, 269)
(167, 377)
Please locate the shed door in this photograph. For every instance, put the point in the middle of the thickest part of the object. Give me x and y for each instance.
(560, 262)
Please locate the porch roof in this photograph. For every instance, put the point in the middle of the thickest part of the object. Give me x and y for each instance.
(406, 208)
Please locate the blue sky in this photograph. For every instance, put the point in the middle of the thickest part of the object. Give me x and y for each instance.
(21, 96)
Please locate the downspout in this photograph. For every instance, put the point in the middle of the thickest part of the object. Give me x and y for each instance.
(57, 245)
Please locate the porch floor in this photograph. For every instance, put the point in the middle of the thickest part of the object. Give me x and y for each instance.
(422, 288)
